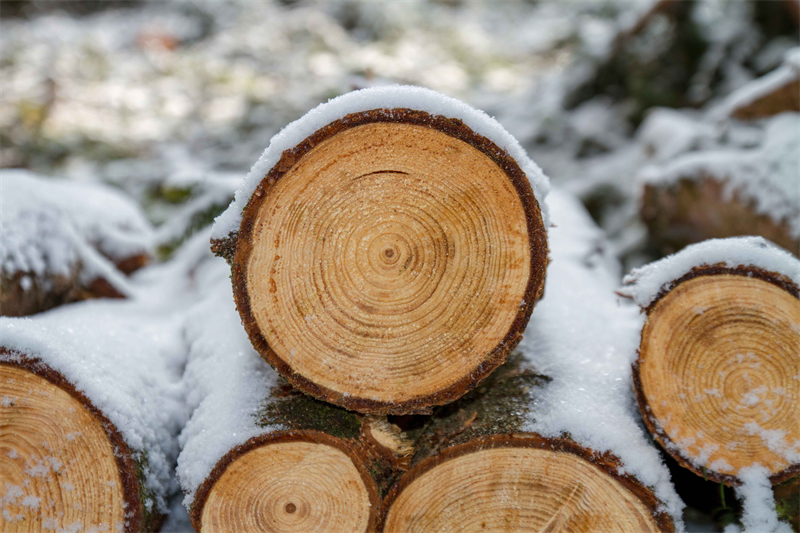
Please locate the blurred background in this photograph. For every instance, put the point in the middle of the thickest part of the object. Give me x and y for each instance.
(174, 101)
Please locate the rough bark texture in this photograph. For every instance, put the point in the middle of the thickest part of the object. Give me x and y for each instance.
(376, 448)
(491, 417)
(237, 249)
(24, 293)
(694, 210)
(138, 518)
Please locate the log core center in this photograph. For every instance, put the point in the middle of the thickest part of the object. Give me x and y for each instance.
(389, 262)
(720, 370)
(517, 489)
(288, 487)
(57, 465)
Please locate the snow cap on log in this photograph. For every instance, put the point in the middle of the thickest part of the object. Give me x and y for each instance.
(59, 237)
(765, 177)
(648, 283)
(122, 363)
(384, 97)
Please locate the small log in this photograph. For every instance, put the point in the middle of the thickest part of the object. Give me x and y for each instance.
(324, 470)
(390, 261)
(475, 470)
(716, 377)
(65, 241)
(61, 460)
(728, 192)
(699, 208)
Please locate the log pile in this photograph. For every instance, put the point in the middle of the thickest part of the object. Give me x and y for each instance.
(365, 369)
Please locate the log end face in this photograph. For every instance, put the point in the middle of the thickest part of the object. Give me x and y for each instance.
(56, 460)
(718, 377)
(289, 485)
(392, 264)
(514, 484)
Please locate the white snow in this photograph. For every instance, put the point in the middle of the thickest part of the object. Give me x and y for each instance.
(227, 383)
(768, 176)
(384, 97)
(50, 227)
(646, 283)
(788, 72)
(128, 356)
(758, 502)
(585, 339)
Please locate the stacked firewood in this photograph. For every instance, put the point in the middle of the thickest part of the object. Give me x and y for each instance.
(386, 254)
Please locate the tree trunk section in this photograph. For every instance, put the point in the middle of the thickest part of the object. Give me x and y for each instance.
(694, 210)
(326, 469)
(62, 461)
(474, 470)
(716, 378)
(389, 262)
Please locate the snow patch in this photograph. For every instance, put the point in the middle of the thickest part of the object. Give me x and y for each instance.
(646, 283)
(585, 339)
(384, 97)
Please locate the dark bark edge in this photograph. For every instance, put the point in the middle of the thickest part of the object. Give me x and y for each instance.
(126, 465)
(606, 462)
(537, 233)
(652, 423)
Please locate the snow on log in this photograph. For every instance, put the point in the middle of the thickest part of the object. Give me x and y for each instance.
(65, 241)
(91, 406)
(550, 441)
(258, 455)
(387, 249)
(718, 373)
(775, 93)
(728, 192)
(474, 467)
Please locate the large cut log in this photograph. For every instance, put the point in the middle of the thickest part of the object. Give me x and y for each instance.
(90, 409)
(719, 360)
(387, 249)
(65, 241)
(260, 456)
(527, 452)
(728, 192)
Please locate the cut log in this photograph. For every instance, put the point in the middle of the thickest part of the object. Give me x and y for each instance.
(390, 259)
(62, 461)
(89, 415)
(64, 241)
(717, 373)
(728, 193)
(474, 470)
(261, 456)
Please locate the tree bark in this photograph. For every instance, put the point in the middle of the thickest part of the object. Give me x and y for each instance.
(63, 462)
(25, 293)
(694, 210)
(411, 278)
(325, 469)
(717, 368)
(474, 469)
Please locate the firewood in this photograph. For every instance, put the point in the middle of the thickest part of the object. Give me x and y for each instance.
(389, 260)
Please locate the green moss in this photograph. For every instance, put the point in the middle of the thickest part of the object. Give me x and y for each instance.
(499, 405)
(150, 515)
(300, 412)
(788, 508)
